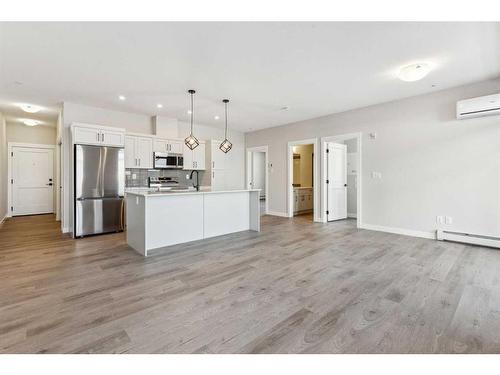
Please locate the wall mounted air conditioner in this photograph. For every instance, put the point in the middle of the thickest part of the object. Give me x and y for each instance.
(477, 107)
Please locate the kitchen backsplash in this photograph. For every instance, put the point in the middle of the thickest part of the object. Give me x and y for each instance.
(141, 176)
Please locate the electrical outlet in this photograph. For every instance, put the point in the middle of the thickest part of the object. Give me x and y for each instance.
(187, 176)
(439, 219)
(377, 175)
(448, 220)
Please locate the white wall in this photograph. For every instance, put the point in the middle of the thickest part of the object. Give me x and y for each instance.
(139, 123)
(3, 168)
(431, 163)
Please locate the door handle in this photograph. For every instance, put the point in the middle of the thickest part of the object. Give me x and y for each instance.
(49, 184)
(345, 185)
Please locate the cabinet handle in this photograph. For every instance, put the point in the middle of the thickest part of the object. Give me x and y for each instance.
(213, 164)
(213, 174)
(97, 136)
(103, 137)
(139, 162)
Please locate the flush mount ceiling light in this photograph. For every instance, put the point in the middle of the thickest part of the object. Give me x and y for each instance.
(159, 106)
(216, 117)
(414, 72)
(191, 140)
(122, 98)
(225, 146)
(30, 122)
(30, 108)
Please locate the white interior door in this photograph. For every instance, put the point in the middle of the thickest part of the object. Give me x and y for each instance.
(32, 181)
(336, 181)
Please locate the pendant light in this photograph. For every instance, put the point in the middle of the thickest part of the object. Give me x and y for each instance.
(191, 141)
(225, 146)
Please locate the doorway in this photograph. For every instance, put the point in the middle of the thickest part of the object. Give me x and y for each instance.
(30, 179)
(257, 174)
(302, 186)
(341, 178)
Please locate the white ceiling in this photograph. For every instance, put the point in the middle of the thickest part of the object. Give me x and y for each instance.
(314, 68)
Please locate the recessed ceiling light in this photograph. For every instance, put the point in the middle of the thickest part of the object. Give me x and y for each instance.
(189, 112)
(414, 72)
(30, 122)
(216, 117)
(121, 97)
(284, 108)
(159, 106)
(30, 108)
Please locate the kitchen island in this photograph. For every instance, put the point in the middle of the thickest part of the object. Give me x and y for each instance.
(156, 219)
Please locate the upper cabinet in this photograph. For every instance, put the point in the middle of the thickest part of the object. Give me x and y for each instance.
(94, 135)
(167, 145)
(194, 159)
(138, 152)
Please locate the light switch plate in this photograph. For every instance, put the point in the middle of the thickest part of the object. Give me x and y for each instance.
(448, 220)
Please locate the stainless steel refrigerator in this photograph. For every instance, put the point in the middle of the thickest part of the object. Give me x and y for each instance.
(99, 189)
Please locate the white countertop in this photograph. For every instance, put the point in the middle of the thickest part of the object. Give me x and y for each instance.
(147, 193)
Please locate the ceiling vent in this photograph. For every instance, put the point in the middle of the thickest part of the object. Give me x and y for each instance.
(478, 107)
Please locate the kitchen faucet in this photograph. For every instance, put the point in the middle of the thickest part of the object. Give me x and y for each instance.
(197, 186)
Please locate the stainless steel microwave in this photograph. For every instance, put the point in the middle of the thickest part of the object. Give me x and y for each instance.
(168, 160)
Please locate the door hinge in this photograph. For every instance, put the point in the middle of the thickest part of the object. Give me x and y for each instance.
(12, 181)
(327, 212)
(12, 209)
(327, 181)
(12, 153)
(327, 151)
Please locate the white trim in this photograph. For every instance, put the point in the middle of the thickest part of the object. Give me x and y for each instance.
(402, 231)
(359, 175)
(96, 126)
(264, 149)
(65, 230)
(352, 215)
(11, 145)
(289, 189)
(277, 213)
(2, 221)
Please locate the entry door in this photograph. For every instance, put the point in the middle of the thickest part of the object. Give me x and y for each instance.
(32, 181)
(336, 181)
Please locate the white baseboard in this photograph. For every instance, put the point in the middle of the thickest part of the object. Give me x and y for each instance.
(5, 217)
(277, 213)
(353, 216)
(404, 232)
(66, 230)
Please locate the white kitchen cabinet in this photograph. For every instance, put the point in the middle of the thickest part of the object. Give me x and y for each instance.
(194, 159)
(94, 135)
(138, 152)
(214, 156)
(167, 145)
(218, 179)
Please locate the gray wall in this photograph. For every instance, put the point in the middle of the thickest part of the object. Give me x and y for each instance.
(431, 163)
(31, 134)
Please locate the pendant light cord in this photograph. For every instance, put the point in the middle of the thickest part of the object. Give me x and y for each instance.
(225, 131)
(192, 114)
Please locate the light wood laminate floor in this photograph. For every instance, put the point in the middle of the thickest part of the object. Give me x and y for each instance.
(296, 287)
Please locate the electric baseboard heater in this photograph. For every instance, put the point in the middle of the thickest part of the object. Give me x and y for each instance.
(473, 239)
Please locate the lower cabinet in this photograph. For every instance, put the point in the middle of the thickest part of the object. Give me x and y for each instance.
(303, 200)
